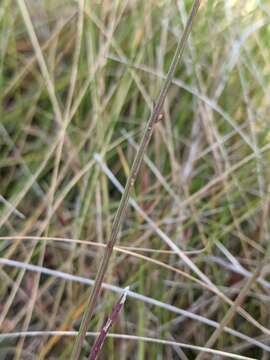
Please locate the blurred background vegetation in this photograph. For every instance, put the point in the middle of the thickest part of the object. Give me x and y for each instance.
(79, 79)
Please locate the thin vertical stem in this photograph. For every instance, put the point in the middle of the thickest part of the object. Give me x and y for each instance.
(155, 115)
(96, 349)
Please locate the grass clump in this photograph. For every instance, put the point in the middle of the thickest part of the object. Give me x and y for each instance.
(77, 81)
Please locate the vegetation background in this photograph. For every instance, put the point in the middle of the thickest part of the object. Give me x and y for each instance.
(77, 83)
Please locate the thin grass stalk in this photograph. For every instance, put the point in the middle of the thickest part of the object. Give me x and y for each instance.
(155, 116)
(96, 349)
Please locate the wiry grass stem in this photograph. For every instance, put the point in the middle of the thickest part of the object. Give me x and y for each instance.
(156, 113)
(96, 349)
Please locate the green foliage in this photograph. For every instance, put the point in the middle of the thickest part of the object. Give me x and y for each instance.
(210, 185)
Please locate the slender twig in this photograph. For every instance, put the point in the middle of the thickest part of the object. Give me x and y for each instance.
(154, 117)
(106, 327)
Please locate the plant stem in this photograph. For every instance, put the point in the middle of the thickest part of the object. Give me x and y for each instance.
(96, 349)
(154, 117)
